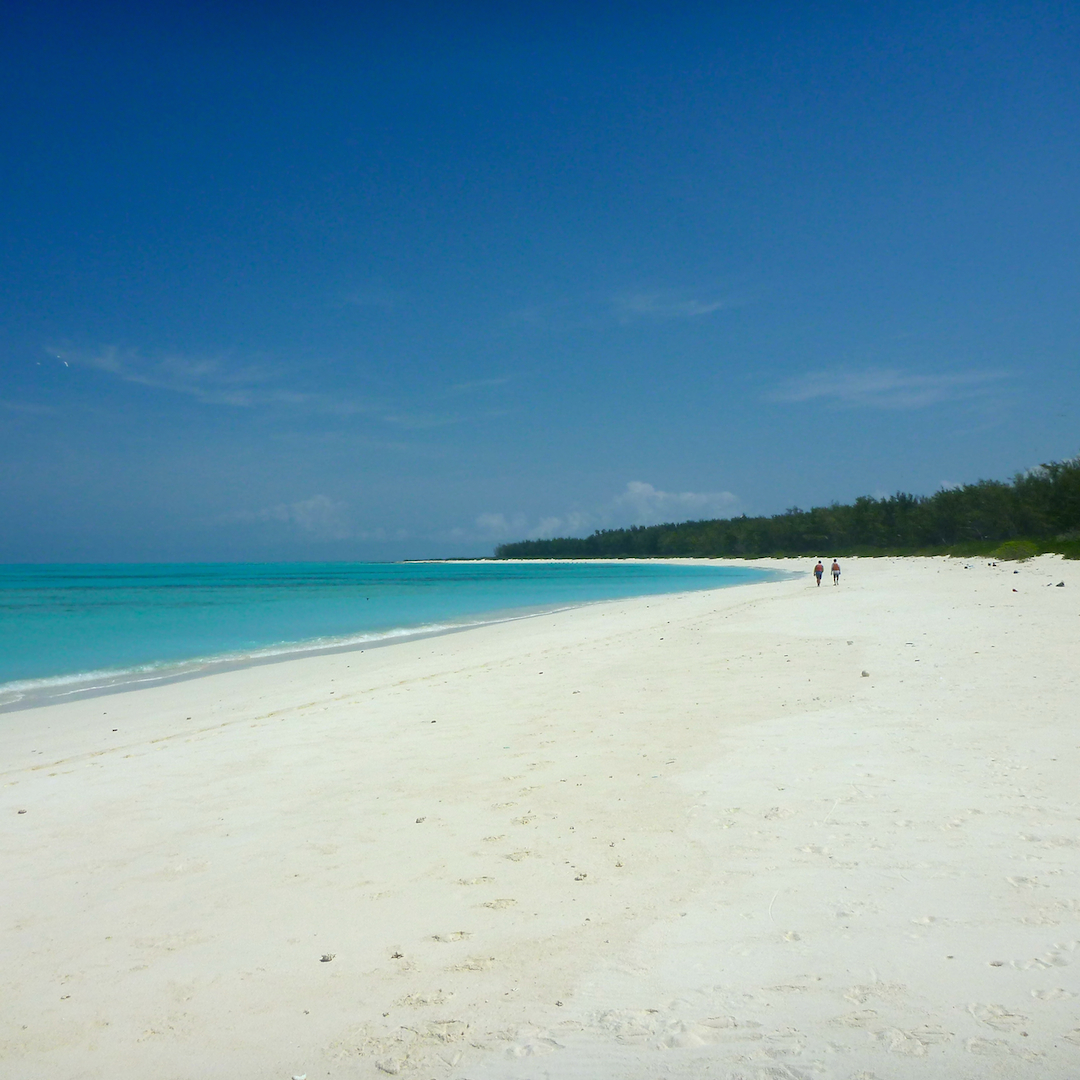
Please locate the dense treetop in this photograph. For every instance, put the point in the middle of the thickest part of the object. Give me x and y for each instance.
(1038, 510)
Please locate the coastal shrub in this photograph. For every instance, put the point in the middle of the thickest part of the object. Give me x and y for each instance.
(1015, 551)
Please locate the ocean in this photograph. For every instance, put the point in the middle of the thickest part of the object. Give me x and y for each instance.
(71, 630)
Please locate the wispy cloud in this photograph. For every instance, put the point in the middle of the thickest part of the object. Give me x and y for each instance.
(887, 388)
(480, 384)
(384, 299)
(422, 421)
(669, 304)
(211, 379)
(643, 504)
(599, 311)
(316, 518)
(28, 407)
(214, 380)
(222, 381)
(498, 526)
(534, 316)
(320, 517)
(638, 504)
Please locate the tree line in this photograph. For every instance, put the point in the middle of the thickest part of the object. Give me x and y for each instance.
(1036, 511)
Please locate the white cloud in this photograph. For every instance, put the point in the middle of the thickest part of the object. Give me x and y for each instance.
(387, 299)
(319, 516)
(598, 311)
(214, 380)
(480, 384)
(646, 505)
(501, 527)
(638, 504)
(887, 388)
(218, 380)
(210, 379)
(28, 407)
(667, 304)
(422, 421)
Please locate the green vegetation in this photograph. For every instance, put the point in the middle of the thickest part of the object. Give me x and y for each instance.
(1016, 551)
(1038, 511)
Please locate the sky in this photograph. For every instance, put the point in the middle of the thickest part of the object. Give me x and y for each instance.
(402, 280)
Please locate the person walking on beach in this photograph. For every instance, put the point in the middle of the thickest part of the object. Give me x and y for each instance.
(835, 572)
(818, 571)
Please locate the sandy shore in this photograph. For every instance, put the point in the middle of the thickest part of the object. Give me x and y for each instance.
(679, 836)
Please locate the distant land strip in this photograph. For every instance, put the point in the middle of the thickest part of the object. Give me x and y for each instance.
(1038, 511)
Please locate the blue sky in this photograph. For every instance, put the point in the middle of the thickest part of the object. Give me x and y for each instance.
(284, 281)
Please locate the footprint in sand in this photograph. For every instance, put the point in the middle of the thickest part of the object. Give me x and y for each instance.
(859, 995)
(1051, 841)
(532, 1042)
(416, 1001)
(914, 1043)
(1054, 957)
(476, 881)
(860, 1019)
(1025, 883)
(498, 905)
(987, 1047)
(996, 1016)
(997, 1048)
(474, 963)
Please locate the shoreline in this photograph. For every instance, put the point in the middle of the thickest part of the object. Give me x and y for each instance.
(18, 695)
(123, 681)
(677, 835)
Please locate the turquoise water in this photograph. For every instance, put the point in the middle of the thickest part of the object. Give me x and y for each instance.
(66, 628)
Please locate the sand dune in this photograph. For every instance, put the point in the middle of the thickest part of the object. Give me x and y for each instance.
(681, 836)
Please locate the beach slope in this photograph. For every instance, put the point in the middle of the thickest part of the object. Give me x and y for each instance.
(774, 831)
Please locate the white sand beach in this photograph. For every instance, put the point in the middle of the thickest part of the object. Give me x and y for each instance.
(678, 836)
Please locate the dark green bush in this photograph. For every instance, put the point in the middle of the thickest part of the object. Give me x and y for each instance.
(1015, 551)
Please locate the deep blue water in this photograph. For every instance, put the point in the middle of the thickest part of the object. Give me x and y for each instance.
(66, 626)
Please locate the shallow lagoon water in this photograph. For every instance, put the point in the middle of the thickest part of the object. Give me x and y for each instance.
(69, 629)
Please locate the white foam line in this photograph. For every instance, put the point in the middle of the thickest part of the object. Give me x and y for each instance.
(87, 682)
